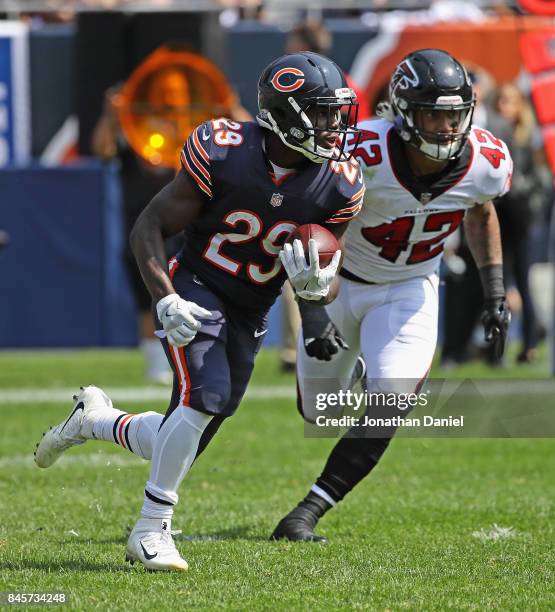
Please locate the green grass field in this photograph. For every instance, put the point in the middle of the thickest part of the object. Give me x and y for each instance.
(402, 540)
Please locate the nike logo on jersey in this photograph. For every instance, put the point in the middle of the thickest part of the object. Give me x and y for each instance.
(258, 333)
(197, 280)
(205, 134)
(145, 553)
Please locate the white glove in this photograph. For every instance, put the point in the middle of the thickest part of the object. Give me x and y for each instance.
(178, 319)
(308, 280)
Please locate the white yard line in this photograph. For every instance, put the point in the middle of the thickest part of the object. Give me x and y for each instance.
(93, 460)
(486, 388)
(125, 394)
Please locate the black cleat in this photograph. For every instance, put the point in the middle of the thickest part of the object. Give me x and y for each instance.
(299, 524)
(296, 529)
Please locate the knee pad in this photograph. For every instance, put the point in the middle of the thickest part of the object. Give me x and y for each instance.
(212, 398)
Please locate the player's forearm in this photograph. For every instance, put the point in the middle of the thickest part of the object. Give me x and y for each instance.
(147, 244)
(482, 233)
(484, 240)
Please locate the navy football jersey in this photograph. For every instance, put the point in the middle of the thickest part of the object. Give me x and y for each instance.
(247, 215)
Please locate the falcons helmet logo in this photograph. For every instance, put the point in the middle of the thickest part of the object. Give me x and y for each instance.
(404, 76)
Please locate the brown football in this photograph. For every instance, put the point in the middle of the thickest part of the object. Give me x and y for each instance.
(327, 243)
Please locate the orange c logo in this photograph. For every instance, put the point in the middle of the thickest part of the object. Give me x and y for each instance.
(294, 85)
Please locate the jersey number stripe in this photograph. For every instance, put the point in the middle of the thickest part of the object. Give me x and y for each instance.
(369, 155)
(270, 244)
(494, 155)
(393, 238)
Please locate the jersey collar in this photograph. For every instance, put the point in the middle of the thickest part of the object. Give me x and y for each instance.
(426, 188)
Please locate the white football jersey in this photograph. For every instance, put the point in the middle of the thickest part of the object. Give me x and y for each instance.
(402, 227)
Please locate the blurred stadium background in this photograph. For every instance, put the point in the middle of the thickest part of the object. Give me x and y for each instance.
(456, 524)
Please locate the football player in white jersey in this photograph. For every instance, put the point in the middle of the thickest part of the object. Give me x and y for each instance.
(427, 168)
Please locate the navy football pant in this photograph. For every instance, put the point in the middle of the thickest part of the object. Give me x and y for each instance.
(211, 373)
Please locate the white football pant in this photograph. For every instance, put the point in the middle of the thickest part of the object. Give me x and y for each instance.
(393, 325)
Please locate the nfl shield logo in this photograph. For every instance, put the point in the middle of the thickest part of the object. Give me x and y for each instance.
(276, 199)
(425, 197)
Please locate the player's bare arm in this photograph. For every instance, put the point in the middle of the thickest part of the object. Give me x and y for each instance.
(170, 211)
(482, 232)
(484, 240)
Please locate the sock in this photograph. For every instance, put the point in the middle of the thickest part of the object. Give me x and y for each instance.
(135, 432)
(141, 431)
(349, 462)
(101, 426)
(175, 447)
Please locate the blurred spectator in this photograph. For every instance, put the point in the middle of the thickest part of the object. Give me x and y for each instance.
(522, 206)
(313, 36)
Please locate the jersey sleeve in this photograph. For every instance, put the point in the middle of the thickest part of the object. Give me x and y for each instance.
(494, 166)
(195, 158)
(507, 180)
(350, 190)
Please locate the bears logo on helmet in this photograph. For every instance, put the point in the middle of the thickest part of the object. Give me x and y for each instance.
(292, 86)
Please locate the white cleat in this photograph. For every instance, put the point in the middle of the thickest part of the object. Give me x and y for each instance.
(76, 429)
(152, 544)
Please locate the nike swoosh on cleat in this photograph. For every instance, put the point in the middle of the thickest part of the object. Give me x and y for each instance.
(258, 333)
(79, 406)
(147, 556)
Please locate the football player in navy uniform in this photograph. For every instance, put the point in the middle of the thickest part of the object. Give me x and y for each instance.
(242, 189)
(426, 168)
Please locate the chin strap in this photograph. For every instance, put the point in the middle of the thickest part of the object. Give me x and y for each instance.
(319, 156)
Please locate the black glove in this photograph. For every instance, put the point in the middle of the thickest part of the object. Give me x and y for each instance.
(322, 339)
(495, 319)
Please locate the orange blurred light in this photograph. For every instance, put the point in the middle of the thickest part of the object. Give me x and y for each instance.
(165, 98)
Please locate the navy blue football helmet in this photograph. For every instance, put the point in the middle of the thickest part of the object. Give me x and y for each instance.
(304, 98)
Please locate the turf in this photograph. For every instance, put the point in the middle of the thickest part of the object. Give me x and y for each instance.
(402, 540)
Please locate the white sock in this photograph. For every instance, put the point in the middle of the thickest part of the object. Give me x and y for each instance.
(175, 447)
(142, 431)
(102, 425)
(135, 432)
(157, 365)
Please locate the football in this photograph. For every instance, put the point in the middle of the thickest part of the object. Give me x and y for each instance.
(327, 243)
